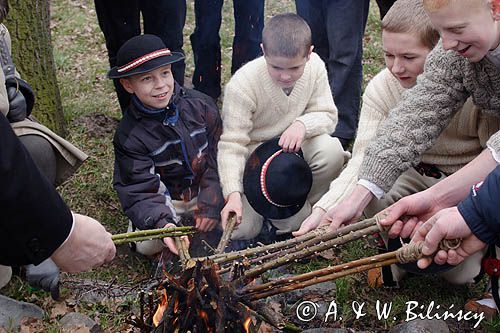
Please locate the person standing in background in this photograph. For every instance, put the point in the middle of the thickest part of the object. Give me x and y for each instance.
(205, 40)
(337, 35)
(120, 20)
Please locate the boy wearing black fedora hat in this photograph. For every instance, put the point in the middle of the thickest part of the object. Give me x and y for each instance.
(165, 145)
(284, 94)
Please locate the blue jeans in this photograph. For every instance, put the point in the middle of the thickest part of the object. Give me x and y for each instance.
(120, 20)
(205, 40)
(337, 28)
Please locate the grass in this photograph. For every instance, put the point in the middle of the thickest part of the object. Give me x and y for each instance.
(91, 110)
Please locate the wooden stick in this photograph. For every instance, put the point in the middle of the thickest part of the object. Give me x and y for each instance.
(354, 235)
(226, 235)
(324, 278)
(317, 236)
(146, 238)
(408, 253)
(151, 234)
(321, 272)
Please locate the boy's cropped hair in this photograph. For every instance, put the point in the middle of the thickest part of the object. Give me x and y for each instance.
(432, 5)
(409, 16)
(286, 35)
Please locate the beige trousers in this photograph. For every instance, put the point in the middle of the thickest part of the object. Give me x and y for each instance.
(152, 247)
(325, 157)
(408, 183)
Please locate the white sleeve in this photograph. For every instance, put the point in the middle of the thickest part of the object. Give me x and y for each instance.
(375, 189)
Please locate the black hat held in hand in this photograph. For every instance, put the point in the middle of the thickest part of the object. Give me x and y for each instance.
(276, 183)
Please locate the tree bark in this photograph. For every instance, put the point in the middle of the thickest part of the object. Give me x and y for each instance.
(29, 25)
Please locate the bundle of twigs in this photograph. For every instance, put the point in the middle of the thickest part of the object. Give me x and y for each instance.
(143, 235)
(407, 254)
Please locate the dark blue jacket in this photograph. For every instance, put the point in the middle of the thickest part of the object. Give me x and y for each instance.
(168, 155)
(481, 209)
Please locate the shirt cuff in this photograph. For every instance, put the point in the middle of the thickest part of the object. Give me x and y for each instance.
(376, 191)
(496, 156)
(71, 230)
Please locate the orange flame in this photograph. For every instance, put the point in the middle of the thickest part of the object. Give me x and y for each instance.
(246, 324)
(161, 309)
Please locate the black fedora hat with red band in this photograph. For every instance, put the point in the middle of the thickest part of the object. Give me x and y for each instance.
(142, 54)
(276, 183)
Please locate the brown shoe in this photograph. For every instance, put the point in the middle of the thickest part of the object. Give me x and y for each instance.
(474, 305)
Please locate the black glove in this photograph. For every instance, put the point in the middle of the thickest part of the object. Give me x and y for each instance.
(17, 105)
(44, 276)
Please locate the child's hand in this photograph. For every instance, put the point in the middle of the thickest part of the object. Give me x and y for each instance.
(170, 243)
(311, 222)
(233, 204)
(205, 224)
(292, 138)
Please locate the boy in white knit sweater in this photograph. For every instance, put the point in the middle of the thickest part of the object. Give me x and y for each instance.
(284, 93)
(407, 38)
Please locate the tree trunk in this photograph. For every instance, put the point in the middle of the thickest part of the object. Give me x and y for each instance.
(29, 25)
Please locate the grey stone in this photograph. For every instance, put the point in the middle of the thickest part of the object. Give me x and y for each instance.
(421, 326)
(75, 319)
(12, 312)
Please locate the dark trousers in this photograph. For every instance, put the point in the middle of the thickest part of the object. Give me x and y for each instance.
(337, 28)
(120, 20)
(384, 6)
(205, 40)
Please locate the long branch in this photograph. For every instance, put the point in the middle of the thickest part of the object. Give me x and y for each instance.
(152, 233)
(320, 272)
(311, 238)
(354, 235)
(320, 279)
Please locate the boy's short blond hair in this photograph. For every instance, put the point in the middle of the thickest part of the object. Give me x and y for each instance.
(409, 16)
(286, 35)
(433, 5)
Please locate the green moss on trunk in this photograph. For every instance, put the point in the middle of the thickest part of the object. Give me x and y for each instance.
(29, 24)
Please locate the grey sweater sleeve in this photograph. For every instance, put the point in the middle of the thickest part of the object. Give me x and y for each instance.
(416, 122)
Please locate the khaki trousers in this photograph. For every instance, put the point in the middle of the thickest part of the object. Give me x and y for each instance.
(408, 183)
(325, 157)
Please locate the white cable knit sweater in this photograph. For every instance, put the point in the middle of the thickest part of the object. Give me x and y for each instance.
(255, 109)
(463, 139)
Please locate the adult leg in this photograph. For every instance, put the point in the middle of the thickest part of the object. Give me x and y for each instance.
(384, 6)
(248, 25)
(345, 25)
(313, 12)
(119, 21)
(166, 19)
(205, 41)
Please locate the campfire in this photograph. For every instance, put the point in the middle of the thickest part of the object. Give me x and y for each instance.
(219, 293)
(199, 301)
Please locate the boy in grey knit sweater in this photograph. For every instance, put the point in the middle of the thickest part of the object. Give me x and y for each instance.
(464, 64)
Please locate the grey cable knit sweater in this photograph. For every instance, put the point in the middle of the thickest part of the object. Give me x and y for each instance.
(426, 109)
